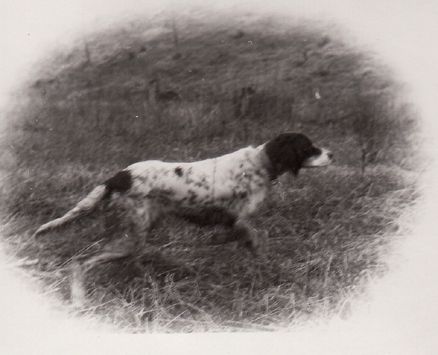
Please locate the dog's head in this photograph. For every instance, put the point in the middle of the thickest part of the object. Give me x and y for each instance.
(293, 151)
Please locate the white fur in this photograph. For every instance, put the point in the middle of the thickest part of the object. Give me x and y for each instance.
(322, 160)
(215, 182)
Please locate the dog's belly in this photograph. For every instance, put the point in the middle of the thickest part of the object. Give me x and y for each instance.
(209, 215)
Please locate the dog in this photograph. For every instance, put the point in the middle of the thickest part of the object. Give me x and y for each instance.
(225, 190)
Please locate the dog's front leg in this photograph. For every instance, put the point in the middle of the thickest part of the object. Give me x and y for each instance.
(246, 235)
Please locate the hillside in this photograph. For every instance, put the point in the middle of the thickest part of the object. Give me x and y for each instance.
(93, 109)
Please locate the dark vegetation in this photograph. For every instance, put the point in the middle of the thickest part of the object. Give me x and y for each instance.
(187, 89)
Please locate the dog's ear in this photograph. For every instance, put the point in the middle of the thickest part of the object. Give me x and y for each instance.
(287, 152)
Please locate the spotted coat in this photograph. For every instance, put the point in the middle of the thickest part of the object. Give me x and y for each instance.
(237, 182)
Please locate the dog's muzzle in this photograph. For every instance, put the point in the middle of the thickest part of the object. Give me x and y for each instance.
(323, 159)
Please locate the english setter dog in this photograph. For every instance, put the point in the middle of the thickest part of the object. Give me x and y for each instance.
(225, 190)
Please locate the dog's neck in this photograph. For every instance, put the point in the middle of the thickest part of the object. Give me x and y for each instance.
(266, 163)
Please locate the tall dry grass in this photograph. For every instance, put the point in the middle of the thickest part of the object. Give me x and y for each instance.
(88, 114)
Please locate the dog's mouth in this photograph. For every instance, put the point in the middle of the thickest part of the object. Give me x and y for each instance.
(323, 159)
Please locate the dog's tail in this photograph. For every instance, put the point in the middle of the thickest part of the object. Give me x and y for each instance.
(120, 182)
(84, 206)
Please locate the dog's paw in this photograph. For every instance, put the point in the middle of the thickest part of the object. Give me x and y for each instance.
(78, 294)
(256, 243)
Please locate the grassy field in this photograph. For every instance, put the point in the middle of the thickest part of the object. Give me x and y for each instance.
(88, 112)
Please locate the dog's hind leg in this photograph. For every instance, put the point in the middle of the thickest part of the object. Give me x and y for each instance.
(132, 243)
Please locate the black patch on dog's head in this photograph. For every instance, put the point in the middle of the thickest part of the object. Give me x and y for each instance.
(288, 152)
(121, 182)
(179, 171)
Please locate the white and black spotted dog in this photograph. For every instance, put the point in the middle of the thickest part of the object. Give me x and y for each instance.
(224, 190)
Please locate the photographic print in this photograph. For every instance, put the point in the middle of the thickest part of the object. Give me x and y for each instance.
(210, 169)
